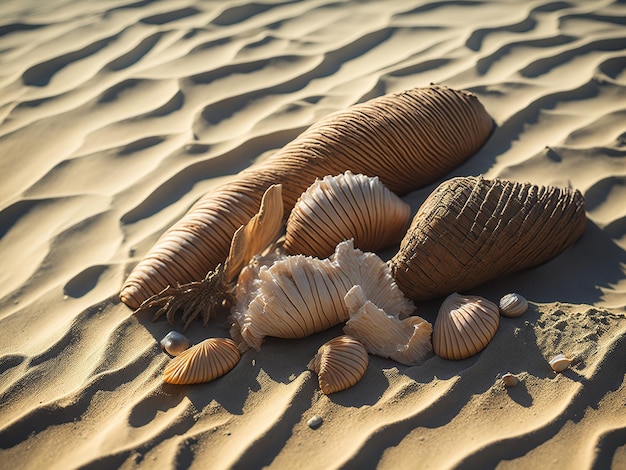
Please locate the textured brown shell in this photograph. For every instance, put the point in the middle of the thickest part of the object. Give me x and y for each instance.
(465, 325)
(203, 362)
(339, 364)
(343, 207)
(408, 139)
(471, 230)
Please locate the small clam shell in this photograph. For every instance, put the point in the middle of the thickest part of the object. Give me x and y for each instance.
(510, 380)
(174, 343)
(464, 326)
(203, 362)
(340, 363)
(560, 362)
(513, 305)
(343, 207)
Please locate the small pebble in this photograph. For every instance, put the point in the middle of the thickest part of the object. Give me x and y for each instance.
(315, 422)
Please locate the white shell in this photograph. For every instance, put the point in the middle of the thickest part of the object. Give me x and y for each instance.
(174, 343)
(560, 362)
(464, 326)
(513, 305)
(296, 296)
(340, 363)
(510, 380)
(203, 362)
(406, 341)
(343, 207)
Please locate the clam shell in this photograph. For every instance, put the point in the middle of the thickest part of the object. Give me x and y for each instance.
(510, 380)
(203, 362)
(406, 341)
(513, 305)
(471, 230)
(296, 296)
(407, 139)
(343, 207)
(174, 343)
(560, 362)
(339, 364)
(464, 326)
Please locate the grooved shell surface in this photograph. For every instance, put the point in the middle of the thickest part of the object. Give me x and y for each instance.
(407, 139)
(203, 362)
(513, 305)
(343, 207)
(339, 364)
(471, 230)
(464, 326)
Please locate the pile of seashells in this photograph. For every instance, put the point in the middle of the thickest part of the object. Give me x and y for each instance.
(320, 277)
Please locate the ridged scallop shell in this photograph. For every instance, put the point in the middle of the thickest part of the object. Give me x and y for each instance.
(513, 305)
(339, 364)
(464, 326)
(407, 139)
(406, 341)
(343, 207)
(174, 343)
(203, 362)
(296, 296)
(470, 230)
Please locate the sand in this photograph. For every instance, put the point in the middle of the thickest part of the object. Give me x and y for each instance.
(117, 115)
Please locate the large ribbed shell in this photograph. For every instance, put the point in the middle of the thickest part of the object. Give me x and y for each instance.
(465, 325)
(296, 296)
(339, 364)
(406, 341)
(471, 230)
(203, 362)
(338, 208)
(408, 139)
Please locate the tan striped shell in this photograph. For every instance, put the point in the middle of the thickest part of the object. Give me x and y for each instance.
(202, 362)
(465, 325)
(513, 305)
(338, 208)
(470, 230)
(296, 296)
(339, 364)
(406, 341)
(407, 139)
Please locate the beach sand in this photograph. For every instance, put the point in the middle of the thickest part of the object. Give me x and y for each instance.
(117, 115)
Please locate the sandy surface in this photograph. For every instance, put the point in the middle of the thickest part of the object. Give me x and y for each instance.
(116, 116)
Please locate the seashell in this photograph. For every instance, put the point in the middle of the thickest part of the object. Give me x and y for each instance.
(560, 362)
(464, 326)
(203, 362)
(513, 305)
(296, 296)
(471, 230)
(407, 139)
(174, 343)
(510, 380)
(406, 341)
(343, 207)
(339, 364)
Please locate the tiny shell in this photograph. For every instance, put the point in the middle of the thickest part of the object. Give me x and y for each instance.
(174, 343)
(560, 362)
(203, 362)
(513, 305)
(464, 326)
(510, 380)
(340, 363)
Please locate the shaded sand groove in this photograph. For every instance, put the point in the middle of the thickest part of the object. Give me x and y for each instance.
(116, 116)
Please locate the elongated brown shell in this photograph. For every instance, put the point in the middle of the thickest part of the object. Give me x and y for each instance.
(406, 341)
(296, 296)
(465, 325)
(203, 362)
(339, 364)
(408, 139)
(343, 207)
(471, 230)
